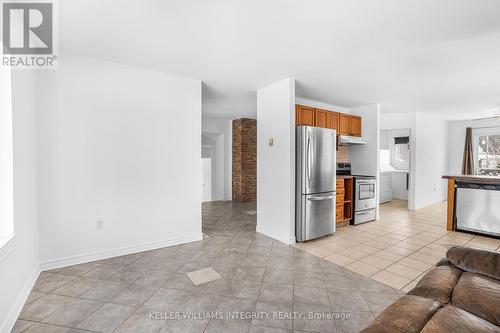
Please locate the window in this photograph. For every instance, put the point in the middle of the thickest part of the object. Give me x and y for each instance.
(401, 151)
(487, 151)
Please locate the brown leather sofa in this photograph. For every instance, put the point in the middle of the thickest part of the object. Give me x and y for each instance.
(460, 294)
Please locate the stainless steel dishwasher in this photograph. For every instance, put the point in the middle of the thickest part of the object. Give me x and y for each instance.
(478, 208)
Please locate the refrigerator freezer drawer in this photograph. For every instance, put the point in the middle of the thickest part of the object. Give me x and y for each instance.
(317, 216)
(477, 210)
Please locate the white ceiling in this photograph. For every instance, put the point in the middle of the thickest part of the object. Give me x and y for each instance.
(440, 56)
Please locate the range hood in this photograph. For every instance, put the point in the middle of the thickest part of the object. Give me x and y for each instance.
(346, 140)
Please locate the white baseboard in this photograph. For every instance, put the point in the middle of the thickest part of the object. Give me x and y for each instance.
(84, 258)
(9, 322)
(273, 235)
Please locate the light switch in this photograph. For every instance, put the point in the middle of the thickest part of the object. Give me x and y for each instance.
(271, 142)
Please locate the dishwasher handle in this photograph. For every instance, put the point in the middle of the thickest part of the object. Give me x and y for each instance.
(478, 186)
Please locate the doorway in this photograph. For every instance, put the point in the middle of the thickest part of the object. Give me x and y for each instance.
(207, 179)
(395, 164)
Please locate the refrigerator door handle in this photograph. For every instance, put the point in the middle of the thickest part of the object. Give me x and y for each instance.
(330, 197)
(308, 164)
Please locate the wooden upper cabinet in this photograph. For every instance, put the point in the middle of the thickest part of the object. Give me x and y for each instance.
(304, 115)
(344, 124)
(327, 119)
(335, 121)
(355, 126)
(323, 118)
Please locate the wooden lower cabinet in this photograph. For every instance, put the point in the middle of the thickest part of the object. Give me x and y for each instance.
(339, 214)
(340, 194)
(344, 200)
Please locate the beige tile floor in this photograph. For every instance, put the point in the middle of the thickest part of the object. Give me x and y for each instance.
(398, 249)
(233, 270)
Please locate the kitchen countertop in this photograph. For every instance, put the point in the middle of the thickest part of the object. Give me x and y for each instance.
(344, 176)
(475, 179)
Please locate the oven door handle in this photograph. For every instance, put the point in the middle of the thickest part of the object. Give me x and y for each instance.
(365, 212)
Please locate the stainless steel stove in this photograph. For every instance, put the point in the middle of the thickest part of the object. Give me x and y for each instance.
(365, 195)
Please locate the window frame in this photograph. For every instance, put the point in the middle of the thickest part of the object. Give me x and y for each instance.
(476, 134)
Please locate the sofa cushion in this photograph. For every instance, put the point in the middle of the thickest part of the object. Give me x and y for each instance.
(475, 261)
(437, 284)
(409, 314)
(479, 295)
(453, 319)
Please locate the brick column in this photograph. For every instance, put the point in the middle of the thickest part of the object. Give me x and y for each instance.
(244, 159)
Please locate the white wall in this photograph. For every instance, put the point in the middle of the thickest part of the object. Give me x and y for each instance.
(19, 266)
(276, 164)
(456, 140)
(121, 145)
(221, 155)
(390, 121)
(431, 159)
(6, 157)
(365, 159)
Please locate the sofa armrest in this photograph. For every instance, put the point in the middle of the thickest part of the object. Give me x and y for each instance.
(444, 262)
(476, 261)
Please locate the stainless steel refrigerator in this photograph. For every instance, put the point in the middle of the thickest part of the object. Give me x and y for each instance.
(316, 150)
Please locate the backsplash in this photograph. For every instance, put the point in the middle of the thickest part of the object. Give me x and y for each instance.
(343, 154)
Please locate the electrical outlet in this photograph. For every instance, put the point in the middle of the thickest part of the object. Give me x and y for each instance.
(100, 225)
